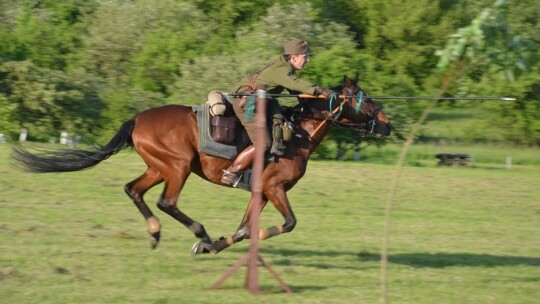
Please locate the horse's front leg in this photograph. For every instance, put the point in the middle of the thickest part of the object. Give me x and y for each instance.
(241, 233)
(281, 202)
(278, 197)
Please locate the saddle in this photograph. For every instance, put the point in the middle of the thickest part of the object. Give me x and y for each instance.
(220, 132)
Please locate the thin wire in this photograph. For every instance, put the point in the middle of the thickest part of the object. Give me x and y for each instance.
(385, 97)
(443, 98)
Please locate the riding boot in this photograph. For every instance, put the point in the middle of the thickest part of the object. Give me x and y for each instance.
(232, 175)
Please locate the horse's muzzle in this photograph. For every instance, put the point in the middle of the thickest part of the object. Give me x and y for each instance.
(382, 129)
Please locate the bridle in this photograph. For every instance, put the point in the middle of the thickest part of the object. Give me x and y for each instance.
(364, 106)
(363, 103)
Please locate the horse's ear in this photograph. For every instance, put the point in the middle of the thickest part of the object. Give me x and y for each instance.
(346, 81)
(356, 78)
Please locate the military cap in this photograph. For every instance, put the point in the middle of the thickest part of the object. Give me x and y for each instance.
(295, 47)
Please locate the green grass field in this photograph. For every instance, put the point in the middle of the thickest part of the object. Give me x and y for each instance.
(459, 235)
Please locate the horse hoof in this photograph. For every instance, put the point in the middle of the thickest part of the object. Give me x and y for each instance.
(154, 240)
(199, 248)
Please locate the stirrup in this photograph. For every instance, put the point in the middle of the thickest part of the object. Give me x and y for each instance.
(231, 178)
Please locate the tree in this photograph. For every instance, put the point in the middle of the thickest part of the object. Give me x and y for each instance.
(400, 38)
(142, 43)
(489, 56)
(46, 101)
(8, 125)
(123, 102)
(47, 32)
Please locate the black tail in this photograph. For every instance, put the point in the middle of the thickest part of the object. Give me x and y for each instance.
(72, 159)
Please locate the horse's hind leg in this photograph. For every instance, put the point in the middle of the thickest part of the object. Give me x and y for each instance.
(136, 190)
(175, 179)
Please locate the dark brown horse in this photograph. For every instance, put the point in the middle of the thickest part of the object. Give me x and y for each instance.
(166, 138)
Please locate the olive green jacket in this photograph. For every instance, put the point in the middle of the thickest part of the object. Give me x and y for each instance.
(277, 75)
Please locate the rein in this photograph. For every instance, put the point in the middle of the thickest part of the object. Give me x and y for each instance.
(331, 116)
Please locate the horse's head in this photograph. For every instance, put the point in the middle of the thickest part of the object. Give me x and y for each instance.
(357, 111)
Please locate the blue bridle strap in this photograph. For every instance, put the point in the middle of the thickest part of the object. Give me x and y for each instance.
(359, 102)
(332, 101)
(249, 108)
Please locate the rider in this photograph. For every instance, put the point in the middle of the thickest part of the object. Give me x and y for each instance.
(277, 75)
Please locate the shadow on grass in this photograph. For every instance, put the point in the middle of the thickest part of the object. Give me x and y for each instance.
(417, 260)
(442, 260)
(272, 287)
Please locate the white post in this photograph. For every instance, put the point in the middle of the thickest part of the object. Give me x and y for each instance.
(63, 137)
(24, 134)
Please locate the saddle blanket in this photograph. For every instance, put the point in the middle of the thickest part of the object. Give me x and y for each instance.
(206, 143)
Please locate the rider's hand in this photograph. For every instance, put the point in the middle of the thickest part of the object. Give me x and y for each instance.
(327, 93)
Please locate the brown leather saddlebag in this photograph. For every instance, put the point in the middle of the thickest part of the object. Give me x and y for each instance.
(223, 129)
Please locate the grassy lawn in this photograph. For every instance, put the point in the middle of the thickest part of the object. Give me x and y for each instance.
(459, 235)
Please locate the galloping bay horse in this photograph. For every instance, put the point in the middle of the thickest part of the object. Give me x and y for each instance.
(166, 139)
